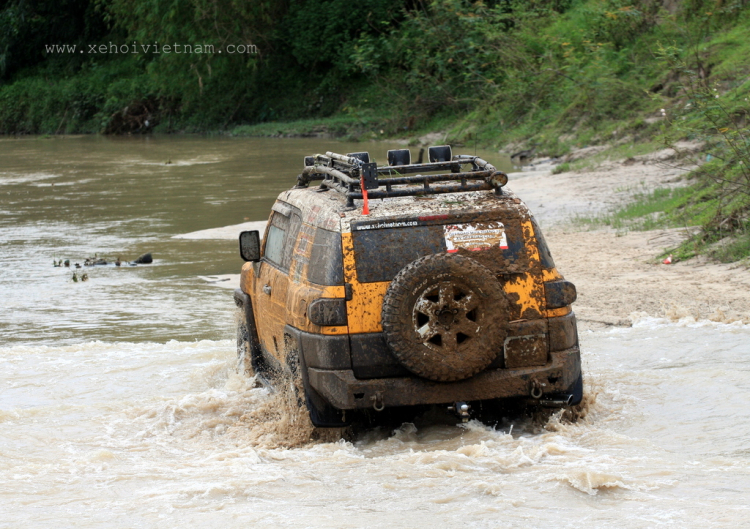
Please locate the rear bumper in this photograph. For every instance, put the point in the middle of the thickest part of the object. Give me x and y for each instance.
(344, 391)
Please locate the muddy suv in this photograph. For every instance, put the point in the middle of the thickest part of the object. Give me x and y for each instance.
(406, 284)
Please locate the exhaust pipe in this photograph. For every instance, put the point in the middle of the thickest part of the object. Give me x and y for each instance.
(561, 402)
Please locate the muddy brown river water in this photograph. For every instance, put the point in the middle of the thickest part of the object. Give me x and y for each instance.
(120, 405)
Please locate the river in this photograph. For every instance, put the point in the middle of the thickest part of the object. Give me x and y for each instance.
(120, 405)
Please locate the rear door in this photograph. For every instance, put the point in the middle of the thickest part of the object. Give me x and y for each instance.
(376, 251)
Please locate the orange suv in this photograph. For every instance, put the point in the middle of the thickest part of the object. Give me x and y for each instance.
(406, 284)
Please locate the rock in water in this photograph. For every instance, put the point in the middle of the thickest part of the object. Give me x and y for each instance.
(144, 259)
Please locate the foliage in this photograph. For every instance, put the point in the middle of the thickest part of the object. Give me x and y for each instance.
(717, 117)
(80, 103)
(28, 26)
(552, 74)
(209, 87)
(561, 168)
(321, 33)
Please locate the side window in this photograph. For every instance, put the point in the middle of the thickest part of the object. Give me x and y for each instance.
(274, 248)
(281, 238)
(295, 222)
(326, 261)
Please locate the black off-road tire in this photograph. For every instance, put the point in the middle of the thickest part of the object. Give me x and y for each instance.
(244, 354)
(577, 391)
(445, 317)
(250, 360)
(322, 414)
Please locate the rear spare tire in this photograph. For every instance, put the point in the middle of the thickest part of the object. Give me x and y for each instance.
(445, 317)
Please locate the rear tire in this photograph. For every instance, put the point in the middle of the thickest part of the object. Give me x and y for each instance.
(322, 414)
(577, 391)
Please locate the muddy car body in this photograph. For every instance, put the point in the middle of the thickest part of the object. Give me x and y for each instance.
(444, 292)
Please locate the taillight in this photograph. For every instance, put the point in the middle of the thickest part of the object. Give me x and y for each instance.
(327, 311)
(559, 293)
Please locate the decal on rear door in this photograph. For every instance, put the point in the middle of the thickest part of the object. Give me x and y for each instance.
(474, 237)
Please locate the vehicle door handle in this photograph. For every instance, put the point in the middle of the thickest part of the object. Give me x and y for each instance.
(267, 289)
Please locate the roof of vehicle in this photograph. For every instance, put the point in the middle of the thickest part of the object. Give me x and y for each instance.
(393, 194)
(327, 210)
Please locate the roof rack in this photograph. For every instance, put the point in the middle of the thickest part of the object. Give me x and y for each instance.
(348, 174)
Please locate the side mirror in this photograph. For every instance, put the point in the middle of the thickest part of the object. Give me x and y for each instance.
(250, 245)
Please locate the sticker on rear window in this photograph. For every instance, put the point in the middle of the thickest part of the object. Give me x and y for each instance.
(475, 237)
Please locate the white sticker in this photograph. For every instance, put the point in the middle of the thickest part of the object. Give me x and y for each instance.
(475, 237)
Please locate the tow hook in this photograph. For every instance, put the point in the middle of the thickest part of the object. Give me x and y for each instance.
(461, 409)
(377, 402)
(536, 388)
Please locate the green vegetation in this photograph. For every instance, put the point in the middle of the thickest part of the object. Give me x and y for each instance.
(342, 126)
(699, 205)
(715, 113)
(549, 75)
(552, 74)
(661, 208)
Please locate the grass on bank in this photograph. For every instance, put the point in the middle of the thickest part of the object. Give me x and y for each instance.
(647, 211)
(689, 207)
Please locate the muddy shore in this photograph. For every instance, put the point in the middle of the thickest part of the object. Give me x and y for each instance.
(619, 275)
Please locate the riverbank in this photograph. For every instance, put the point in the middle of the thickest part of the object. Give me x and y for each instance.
(619, 273)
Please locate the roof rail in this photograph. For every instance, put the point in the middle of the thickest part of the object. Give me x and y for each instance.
(349, 174)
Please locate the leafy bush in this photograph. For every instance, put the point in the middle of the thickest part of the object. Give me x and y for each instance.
(719, 119)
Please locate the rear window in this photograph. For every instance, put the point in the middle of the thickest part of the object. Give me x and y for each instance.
(381, 253)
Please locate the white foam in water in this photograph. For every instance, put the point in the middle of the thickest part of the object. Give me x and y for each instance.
(8, 178)
(111, 434)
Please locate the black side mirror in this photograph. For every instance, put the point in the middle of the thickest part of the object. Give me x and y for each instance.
(250, 245)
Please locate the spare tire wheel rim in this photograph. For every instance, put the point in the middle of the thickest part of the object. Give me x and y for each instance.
(445, 316)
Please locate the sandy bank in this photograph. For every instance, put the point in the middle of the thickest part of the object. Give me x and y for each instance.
(618, 275)
(225, 232)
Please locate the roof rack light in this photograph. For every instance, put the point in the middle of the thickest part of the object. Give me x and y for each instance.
(364, 156)
(440, 153)
(399, 157)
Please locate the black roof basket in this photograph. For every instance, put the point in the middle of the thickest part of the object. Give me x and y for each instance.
(347, 173)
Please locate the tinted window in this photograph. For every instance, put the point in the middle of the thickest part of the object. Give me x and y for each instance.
(326, 265)
(275, 243)
(545, 256)
(281, 238)
(291, 239)
(381, 254)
